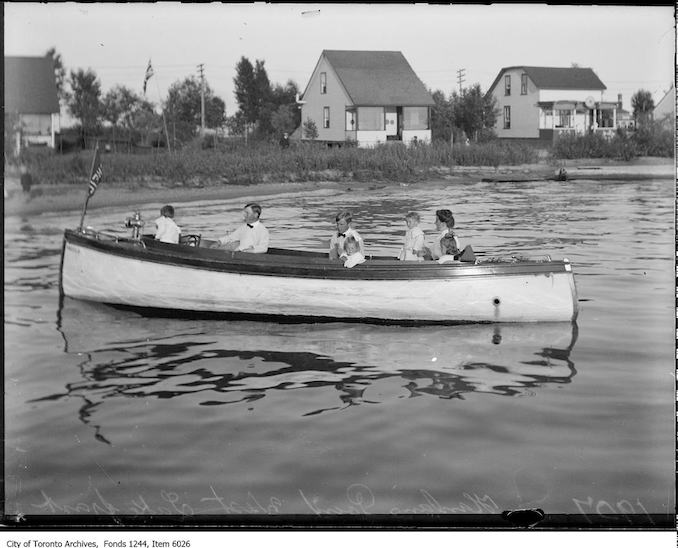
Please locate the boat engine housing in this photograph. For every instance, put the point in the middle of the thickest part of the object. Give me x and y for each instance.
(136, 223)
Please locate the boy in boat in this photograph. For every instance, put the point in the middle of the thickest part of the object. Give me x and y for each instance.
(414, 239)
(344, 230)
(352, 252)
(166, 230)
(251, 236)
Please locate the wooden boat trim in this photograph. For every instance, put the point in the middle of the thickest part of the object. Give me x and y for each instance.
(148, 274)
(304, 264)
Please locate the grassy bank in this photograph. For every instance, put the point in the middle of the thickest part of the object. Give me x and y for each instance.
(651, 141)
(45, 198)
(263, 163)
(236, 163)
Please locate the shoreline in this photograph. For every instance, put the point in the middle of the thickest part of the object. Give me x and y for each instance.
(71, 198)
(61, 198)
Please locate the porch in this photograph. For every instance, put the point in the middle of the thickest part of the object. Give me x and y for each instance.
(370, 126)
(558, 117)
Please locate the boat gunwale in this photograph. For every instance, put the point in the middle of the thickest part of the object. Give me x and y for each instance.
(314, 265)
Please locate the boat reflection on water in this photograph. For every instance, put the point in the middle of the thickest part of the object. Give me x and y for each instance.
(220, 362)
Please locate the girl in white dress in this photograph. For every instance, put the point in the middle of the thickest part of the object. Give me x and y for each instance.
(414, 239)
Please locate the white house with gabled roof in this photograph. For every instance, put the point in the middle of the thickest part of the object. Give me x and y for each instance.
(543, 102)
(366, 97)
(31, 103)
(665, 111)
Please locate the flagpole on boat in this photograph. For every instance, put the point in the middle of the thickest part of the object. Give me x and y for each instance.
(91, 187)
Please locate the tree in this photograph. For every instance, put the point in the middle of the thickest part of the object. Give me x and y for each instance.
(253, 94)
(124, 108)
(112, 107)
(643, 105)
(475, 113)
(141, 116)
(442, 117)
(259, 101)
(284, 95)
(59, 73)
(262, 87)
(117, 101)
(283, 119)
(236, 124)
(287, 96)
(471, 113)
(183, 108)
(310, 129)
(215, 111)
(144, 123)
(245, 90)
(83, 100)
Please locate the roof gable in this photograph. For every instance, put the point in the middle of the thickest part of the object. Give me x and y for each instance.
(30, 86)
(666, 104)
(558, 78)
(380, 78)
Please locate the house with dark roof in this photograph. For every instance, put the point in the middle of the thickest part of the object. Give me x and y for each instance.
(665, 111)
(31, 102)
(366, 97)
(544, 102)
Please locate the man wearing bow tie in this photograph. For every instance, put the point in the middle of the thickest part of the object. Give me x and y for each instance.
(343, 220)
(251, 236)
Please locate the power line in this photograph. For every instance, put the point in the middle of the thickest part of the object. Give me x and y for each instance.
(460, 78)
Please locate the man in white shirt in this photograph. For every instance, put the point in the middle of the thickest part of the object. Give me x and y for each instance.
(251, 236)
(344, 230)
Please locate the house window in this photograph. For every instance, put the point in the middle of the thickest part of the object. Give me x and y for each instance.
(323, 83)
(546, 118)
(507, 117)
(371, 118)
(605, 118)
(351, 120)
(415, 117)
(523, 84)
(564, 119)
(326, 117)
(507, 84)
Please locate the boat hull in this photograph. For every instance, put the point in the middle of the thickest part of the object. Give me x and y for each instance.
(165, 277)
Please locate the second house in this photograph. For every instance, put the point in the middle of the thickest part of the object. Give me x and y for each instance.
(366, 98)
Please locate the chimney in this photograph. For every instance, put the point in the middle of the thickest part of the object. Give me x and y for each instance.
(619, 99)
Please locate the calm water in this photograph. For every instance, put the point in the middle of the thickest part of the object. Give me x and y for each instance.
(108, 411)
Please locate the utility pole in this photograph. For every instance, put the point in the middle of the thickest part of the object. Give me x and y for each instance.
(460, 78)
(202, 99)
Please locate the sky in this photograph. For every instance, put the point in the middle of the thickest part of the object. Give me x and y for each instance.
(629, 47)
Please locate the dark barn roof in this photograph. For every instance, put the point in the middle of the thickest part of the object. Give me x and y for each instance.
(558, 78)
(379, 78)
(30, 86)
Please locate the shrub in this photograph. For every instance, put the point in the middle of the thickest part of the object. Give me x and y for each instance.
(653, 140)
(310, 129)
(234, 161)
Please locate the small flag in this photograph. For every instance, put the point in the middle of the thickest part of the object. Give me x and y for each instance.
(97, 173)
(149, 73)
